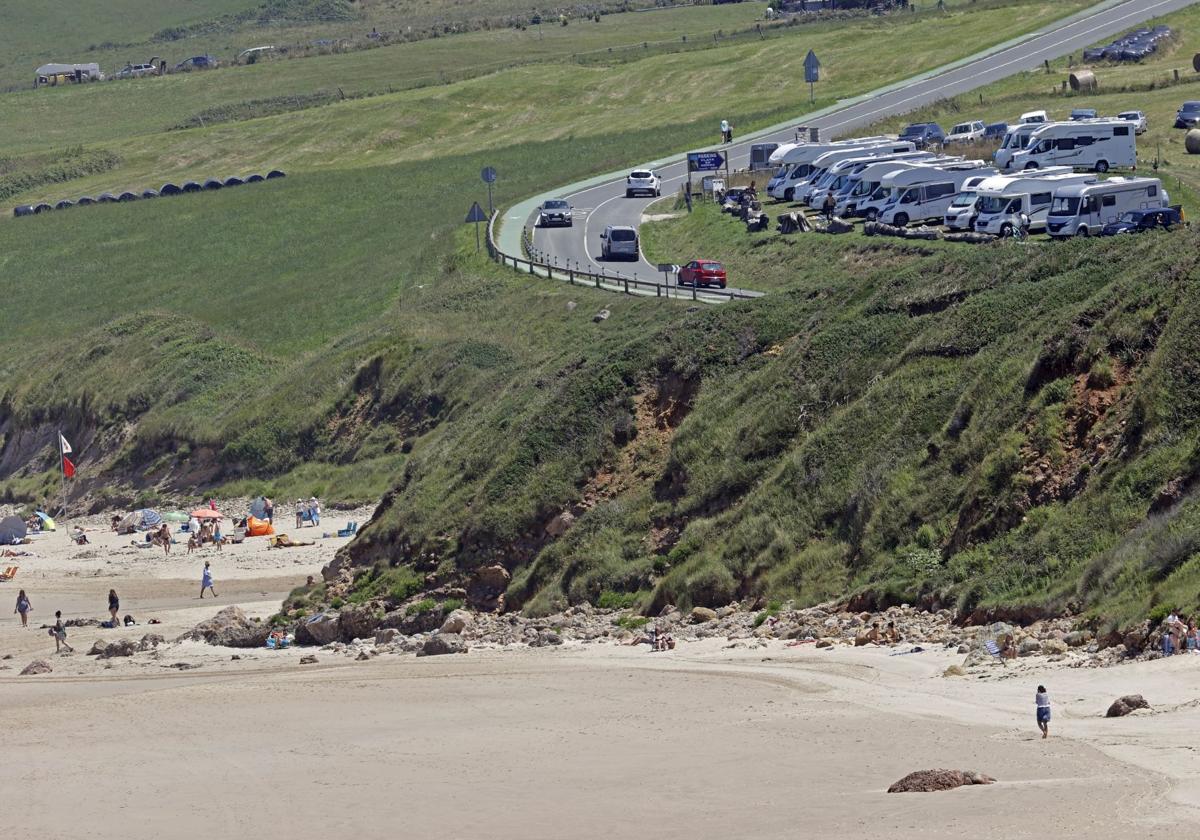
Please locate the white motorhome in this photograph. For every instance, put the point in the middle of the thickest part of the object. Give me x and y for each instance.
(58, 74)
(929, 197)
(964, 208)
(776, 158)
(838, 177)
(1015, 139)
(796, 165)
(1083, 209)
(1083, 144)
(821, 176)
(865, 181)
(1001, 206)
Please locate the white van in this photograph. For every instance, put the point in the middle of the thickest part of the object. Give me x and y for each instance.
(838, 176)
(1033, 118)
(797, 164)
(921, 195)
(1083, 144)
(1015, 139)
(963, 210)
(1083, 209)
(820, 175)
(865, 181)
(1002, 204)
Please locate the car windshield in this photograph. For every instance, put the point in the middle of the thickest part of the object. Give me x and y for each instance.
(620, 235)
(555, 205)
(993, 204)
(1130, 115)
(960, 129)
(1190, 106)
(1064, 206)
(1132, 216)
(643, 175)
(914, 131)
(963, 199)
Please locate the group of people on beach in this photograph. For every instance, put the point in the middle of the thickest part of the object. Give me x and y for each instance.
(309, 511)
(1180, 634)
(204, 533)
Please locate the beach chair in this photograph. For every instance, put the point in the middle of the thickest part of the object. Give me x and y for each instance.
(994, 649)
(349, 531)
(9, 573)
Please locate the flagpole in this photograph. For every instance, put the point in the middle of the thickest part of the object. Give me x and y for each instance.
(62, 473)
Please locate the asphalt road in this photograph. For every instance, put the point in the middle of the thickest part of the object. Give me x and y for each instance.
(606, 204)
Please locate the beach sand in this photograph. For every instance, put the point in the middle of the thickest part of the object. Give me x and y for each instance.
(578, 741)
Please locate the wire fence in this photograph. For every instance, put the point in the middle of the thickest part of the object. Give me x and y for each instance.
(537, 263)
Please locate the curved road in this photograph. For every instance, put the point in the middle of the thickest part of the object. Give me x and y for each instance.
(605, 204)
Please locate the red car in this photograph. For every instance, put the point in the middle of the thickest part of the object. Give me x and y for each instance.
(702, 273)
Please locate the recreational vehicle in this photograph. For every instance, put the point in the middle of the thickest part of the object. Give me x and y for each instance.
(1015, 139)
(61, 74)
(796, 164)
(929, 193)
(1001, 206)
(820, 172)
(964, 209)
(1084, 209)
(1086, 144)
(860, 186)
(839, 176)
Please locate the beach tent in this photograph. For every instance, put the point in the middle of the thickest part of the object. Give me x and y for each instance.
(258, 527)
(12, 530)
(47, 522)
(258, 508)
(139, 520)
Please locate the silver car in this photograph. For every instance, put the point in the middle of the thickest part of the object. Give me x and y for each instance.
(619, 242)
(1137, 118)
(555, 211)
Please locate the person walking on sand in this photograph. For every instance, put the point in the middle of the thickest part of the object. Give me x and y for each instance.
(314, 511)
(23, 608)
(300, 513)
(114, 607)
(59, 632)
(1042, 699)
(206, 581)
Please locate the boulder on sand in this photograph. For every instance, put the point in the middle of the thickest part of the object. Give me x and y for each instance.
(926, 781)
(1124, 705)
(441, 643)
(456, 622)
(700, 615)
(37, 666)
(229, 628)
(320, 629)
(121, 647)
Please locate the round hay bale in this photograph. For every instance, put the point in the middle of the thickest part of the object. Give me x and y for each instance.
(1191, 141)
(1082, 80)
(1196, 62)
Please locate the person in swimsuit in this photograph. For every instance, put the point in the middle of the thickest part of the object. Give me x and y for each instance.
(23, 607)
(1042, 699)
(114, 607)
(59, 632)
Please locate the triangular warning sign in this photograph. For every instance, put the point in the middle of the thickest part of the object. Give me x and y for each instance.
(476, 214)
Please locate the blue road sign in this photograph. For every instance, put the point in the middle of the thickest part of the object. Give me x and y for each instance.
(812, 68)
(476, 214)
(704, 161)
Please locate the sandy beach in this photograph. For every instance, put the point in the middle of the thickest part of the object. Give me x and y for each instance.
(581, 740)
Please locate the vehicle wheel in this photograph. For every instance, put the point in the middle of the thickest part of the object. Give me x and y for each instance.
(629, 193)
(872, 214)
(1102, 166)
(901, 220)
(1030, 165)
(1006, 231)
(570, 223)
(722, 285)
(1083, 231)
(789, 194)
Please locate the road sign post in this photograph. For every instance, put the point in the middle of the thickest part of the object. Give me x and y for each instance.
(488, 174)
(812, 74)
(476, 215)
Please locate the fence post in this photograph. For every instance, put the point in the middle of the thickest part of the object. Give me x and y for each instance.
(693, 289)
(571, 276)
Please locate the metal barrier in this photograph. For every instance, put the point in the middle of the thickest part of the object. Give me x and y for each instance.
(541, 265)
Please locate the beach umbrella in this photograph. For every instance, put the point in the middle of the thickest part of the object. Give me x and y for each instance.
(47, 522)
(150, 519)
(12, 529)
(175, 516)
(206, 513)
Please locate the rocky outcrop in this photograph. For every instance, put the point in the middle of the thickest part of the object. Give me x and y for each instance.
(485, 592)
(456, 622)
(121, 647)
(37, 666)
(702, 614)
(927, 781)
(229, 628)
(320, 629)
(358, 622)
(443, 643)
(1124, 705)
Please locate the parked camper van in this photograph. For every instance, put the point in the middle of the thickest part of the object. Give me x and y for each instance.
(1087, 144)
(1015, 139)
(863, 183)
(61, 74)
(1084, 209)
(924, 193)
(1002, 205)
(838, 177)
(963, 210)
(820, 176)
(796, 165)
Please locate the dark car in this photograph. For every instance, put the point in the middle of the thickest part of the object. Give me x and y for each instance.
(1140, 221)
(554, 212)
(702, 273)
(924, 134)
(1188, 115)
(995, 131)
(196, 62)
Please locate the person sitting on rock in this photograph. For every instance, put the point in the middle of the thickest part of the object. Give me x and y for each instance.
(869, 637)
(892, 634)
(1008, 647)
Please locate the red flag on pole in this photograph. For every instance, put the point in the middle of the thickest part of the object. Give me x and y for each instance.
(68, 467)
